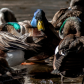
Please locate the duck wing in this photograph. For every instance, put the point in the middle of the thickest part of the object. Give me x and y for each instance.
(77, 44)
(10, 42)
(64, 44)
(71, 43)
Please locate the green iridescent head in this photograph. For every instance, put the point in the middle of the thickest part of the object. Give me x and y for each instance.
(14, 24)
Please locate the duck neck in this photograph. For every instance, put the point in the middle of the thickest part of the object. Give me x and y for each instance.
(46, 25)
(49, 33)
(62, 26)
(47, 30)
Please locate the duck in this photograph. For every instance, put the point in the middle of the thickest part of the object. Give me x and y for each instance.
(9, 28)
(30, 26)
(40, 32)
(7, 15)
(72, 25)
(44, 37)
(9, 75)
(40, 24)
(11, 24)
(64, 13)
(14, 50)
(27, 26)
(69, 57)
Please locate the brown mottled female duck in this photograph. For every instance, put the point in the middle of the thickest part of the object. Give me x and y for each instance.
(69, 56)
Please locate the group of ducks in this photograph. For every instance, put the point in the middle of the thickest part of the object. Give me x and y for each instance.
(20, 41)
(69, 54)
(38, 38)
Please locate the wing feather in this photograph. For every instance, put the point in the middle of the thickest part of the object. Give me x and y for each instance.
(9, 41)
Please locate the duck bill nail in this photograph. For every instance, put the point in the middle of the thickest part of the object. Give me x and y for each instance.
(40, 26)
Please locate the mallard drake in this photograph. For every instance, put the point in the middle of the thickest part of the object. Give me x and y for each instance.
(44, 37)
(72, 25)
(13, 48)
(7, 15)
(26, 26)
(9, 28)
(42, 33)
(61, 15)
(33, 25)
(69, 56)
(14, 27)
(18, 28)
(41, 24)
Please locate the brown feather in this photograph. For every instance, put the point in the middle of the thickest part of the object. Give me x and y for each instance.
(8, 40)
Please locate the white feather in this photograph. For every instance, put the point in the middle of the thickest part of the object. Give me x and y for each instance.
(62, 53)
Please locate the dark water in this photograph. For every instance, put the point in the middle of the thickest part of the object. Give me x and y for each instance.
(38, 73)
(24, 9)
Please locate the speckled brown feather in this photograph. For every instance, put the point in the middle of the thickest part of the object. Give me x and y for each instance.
(65, 13)
(77, 5)
(9, 41)
(73, 60)
(11, 29)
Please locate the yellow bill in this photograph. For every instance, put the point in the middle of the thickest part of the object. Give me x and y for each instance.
(40, 25)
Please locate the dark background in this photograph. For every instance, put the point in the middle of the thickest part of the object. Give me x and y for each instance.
(24, 9)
